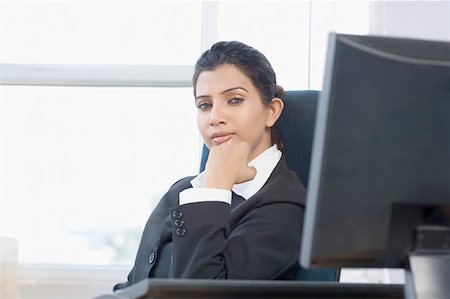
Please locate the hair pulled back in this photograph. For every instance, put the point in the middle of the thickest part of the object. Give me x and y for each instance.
(252, 63)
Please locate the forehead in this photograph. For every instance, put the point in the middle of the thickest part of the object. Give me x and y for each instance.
(222, 78)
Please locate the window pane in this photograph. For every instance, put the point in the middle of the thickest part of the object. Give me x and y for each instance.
(278, 29)
(100, 32)
(292, 34)
(82, 168)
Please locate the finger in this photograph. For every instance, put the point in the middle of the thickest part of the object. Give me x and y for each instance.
(252, 172)
(246, 174)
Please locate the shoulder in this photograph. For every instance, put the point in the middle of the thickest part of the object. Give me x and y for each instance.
(181, 184)
(285, 184)
(170, 198)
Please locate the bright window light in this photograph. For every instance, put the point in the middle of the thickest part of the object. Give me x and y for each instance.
(82, 167)
(100, 32)
(278, 29)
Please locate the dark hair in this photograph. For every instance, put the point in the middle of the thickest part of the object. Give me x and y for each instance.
(253, 64)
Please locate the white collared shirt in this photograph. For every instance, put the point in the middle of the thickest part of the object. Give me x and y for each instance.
(265, 164)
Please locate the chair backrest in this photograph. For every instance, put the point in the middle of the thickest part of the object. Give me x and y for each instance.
(297, 128)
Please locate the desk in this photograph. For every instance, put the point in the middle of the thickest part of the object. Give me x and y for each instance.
(229, 289)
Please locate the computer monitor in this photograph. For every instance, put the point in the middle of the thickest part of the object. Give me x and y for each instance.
(379, 183)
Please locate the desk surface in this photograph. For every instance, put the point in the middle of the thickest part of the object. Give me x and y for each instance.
(228, 289)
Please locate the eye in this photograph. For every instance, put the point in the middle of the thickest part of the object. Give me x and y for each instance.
(236, 101)
(204, 106)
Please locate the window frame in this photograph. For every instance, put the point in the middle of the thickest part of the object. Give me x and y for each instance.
(113, 75)
(96, 75)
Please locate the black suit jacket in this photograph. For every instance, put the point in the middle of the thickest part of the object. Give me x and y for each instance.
(257, 238)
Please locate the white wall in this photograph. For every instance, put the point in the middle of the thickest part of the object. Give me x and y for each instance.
(414, 19)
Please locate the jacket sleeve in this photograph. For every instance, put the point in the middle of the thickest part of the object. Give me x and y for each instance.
(263, 245)
(122, 285)
(152, 234)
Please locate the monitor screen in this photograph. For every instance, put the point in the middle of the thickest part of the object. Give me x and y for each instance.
(380, 165)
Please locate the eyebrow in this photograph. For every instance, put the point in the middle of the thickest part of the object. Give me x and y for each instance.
(223, 92)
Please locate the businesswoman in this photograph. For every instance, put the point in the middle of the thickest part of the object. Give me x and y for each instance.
(241, 218)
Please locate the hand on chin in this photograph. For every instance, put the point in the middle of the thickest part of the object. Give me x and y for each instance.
(228, 163)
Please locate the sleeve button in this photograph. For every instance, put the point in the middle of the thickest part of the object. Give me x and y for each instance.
(152, 258)
(179, 223)
(177, 214)
(180, 232)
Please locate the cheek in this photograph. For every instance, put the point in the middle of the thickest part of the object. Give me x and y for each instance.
(252, 125)
(255, 118)
(200, 123)
(202, 126)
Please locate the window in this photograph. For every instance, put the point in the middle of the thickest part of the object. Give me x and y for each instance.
(278, 29)
(292, 34)
(82, 167)
(76, 160)
(100, 32)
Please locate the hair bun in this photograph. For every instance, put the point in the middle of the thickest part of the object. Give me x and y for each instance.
(279, 91)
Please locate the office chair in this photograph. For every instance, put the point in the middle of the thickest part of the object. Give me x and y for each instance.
(297, 123)
(297, 129)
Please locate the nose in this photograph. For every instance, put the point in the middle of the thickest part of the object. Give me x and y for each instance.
(217, 115)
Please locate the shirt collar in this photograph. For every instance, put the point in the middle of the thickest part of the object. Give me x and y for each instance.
(264, 163)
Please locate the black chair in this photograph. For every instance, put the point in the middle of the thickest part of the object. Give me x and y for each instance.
(297, 128)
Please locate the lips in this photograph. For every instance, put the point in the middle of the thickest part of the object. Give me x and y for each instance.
(221, 137)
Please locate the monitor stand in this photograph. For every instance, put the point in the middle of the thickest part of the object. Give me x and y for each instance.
(428, 275)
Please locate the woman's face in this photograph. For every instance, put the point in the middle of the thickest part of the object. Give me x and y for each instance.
(230, 106)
